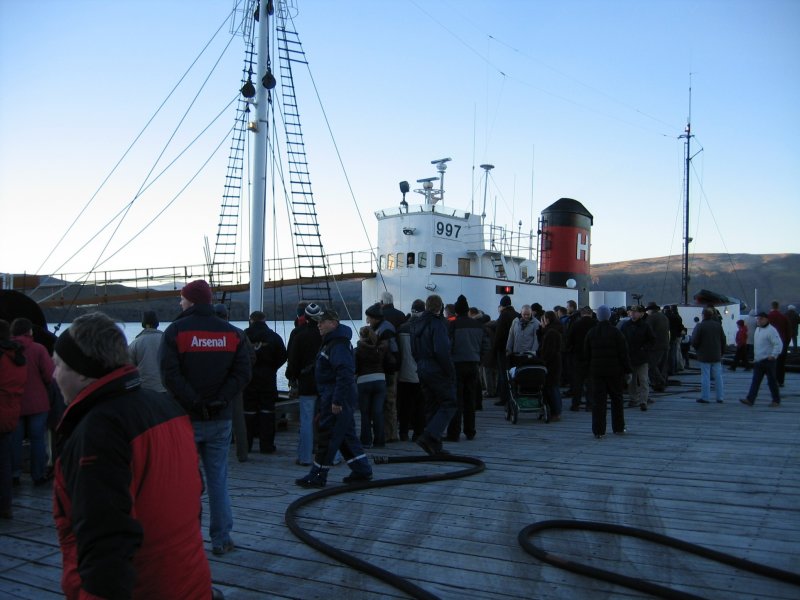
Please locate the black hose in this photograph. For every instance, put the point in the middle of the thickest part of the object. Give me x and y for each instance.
(633, 582)
(392, 579)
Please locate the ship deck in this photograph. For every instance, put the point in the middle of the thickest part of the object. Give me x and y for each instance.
(722, 476)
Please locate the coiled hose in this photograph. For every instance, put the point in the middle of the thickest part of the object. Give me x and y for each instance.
(391, 578)
(524, 536)
(634, 582)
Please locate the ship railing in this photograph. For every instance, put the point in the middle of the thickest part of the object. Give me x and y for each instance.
(109, 282)
(503, 240)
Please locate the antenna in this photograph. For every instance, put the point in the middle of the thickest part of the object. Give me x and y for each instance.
(685, 278)
(486, 168)
(441, 167)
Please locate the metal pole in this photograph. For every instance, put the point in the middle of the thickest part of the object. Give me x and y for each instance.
(259, 188)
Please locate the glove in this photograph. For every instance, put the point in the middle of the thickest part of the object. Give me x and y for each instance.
(215, 407)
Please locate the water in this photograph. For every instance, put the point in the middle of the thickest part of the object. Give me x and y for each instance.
(283, 329)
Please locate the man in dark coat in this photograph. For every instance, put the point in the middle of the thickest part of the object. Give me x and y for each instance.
(708, 340)
(503, 328)
(262, 391)
(467, 336)
(606, 354)
(550, 353)
(430, 346)
(659, 353)
(640, 340)
(574, 346)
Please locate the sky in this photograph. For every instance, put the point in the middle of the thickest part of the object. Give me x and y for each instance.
(578, 99)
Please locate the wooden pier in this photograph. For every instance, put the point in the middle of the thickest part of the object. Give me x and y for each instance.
(723, 476)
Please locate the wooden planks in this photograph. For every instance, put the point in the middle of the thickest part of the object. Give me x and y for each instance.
(724, 476)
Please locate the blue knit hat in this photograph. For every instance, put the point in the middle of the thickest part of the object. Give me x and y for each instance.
(603, 313)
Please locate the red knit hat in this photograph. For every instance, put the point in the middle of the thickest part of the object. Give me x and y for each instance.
(197, 292)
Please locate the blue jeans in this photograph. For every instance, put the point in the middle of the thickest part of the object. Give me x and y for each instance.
(37, 428)
(552, 394)
(305, 443)
(706, 369)
(371, 397)
(761, 368)
(213, 439)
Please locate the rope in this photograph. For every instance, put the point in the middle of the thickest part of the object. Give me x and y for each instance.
(657, 538)
(400, 583)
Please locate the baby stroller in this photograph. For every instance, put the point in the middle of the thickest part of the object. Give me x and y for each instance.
(526, 377)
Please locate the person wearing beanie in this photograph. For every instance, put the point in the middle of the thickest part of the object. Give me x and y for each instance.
(606, 353)
(467, 336)
(205, 364)
(143, 351)
(127, 476)
(197, 292)
(506, 317)
(301, 354)
(603, 313)
(261, 393)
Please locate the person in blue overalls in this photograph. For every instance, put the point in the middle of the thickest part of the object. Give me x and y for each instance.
(338, 401)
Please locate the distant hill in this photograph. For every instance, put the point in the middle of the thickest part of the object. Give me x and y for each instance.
(775, 276)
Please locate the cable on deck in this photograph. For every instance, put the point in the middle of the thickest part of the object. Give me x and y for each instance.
(657, 538)
(392, 579)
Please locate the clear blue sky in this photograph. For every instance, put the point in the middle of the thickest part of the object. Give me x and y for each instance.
(577, 99)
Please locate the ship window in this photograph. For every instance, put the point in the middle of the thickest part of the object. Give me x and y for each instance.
(382, 263)
(410, 259)
(422, 260)
(390, 264)
(401, 260)
(438, 259)
(463, 266)
(523, 273)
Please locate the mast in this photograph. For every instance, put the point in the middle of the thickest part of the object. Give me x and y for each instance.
(260, 129)
(686, 239)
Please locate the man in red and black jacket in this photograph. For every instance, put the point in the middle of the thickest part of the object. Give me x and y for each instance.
(126, 496)
(204, 365)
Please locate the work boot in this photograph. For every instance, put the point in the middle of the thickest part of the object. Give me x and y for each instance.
(359, 469)
(430, 444)
(317, 477)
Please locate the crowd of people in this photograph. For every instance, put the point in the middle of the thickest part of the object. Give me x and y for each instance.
(129, 420)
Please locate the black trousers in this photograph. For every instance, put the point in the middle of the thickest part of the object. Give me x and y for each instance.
(466, 384)
(602, 388)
